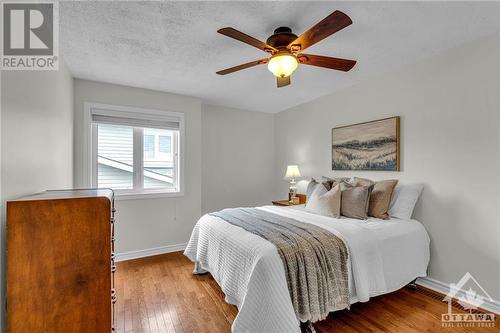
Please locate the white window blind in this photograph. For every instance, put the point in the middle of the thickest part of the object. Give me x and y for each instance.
(172, 124)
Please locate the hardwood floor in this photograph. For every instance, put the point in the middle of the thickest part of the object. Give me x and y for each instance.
(159, 294)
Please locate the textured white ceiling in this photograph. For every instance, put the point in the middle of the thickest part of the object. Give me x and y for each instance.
(175, 47)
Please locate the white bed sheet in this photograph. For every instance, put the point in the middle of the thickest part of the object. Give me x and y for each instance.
(384, 256)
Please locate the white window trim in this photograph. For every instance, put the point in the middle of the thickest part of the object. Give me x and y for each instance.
(90, 168)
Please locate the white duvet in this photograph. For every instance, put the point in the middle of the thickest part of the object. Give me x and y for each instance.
(384, 256)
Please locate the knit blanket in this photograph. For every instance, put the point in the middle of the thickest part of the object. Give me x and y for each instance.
(314, 259)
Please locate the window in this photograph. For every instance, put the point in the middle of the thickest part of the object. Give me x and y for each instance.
(135, 153)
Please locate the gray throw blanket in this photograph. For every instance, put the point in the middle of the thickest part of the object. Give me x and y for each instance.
(315, 260)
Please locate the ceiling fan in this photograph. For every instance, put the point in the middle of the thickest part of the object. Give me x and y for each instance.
(286, 48)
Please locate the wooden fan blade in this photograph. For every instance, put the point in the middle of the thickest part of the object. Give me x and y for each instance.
(242, 66)
(238, 35)
(282, 81)
(327, 62)
(329, 25)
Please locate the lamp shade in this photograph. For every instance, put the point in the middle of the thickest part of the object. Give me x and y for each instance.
(292, 171)
(282, 65)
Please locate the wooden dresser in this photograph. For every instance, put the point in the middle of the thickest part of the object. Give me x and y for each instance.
(60, 262)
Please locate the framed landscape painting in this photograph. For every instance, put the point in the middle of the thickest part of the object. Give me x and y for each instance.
(373, 145)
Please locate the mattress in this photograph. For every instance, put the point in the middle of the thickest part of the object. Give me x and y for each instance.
(384, 255)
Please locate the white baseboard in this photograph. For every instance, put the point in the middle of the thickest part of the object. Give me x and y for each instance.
(444, 288)
(129, 255)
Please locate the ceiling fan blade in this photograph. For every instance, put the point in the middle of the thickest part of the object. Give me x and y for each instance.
(238, 35)
(327, 62)
(282, 81)
(242, 66)
(329, 25)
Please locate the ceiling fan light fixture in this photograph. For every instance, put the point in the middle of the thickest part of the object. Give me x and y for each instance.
(287, 49)
(282, 64)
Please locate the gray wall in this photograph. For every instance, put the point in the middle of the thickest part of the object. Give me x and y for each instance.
(238, 158)
(450, 123)
(148, 223)
(36, 135)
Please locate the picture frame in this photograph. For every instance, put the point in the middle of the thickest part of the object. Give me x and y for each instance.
(369, 146)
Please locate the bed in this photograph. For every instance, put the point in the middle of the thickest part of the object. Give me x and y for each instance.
(384, 256)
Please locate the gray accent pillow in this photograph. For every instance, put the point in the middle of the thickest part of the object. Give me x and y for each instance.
(355, 201)
(323, 202)
(327, 182)
(331, 182)
(310, 187)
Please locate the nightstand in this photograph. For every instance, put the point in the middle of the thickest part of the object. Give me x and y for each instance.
(302, 200)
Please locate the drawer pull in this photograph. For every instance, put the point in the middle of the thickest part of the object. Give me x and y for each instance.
(113, 268)
(113, 292)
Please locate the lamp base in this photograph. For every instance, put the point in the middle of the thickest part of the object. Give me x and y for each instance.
(293, 190)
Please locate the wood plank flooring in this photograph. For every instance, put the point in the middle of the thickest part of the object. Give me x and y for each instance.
(159, 294)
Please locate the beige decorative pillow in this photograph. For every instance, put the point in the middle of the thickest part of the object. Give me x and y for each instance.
(356, 181)
(380, 198)
(323, 202)
(355, 201)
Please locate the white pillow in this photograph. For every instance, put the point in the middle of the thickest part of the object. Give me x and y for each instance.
(403, 200)
(324, 202)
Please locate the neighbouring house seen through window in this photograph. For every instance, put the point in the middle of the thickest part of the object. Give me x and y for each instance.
(165, 144)
(149, 146)
(158, 165)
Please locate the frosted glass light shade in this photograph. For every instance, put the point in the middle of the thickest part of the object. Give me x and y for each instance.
(292, 171)
(282, 65)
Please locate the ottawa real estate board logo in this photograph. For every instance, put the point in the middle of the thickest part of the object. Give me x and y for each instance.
(470, 296)
(30, 36)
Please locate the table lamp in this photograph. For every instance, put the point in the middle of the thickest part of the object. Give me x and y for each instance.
(292, 172)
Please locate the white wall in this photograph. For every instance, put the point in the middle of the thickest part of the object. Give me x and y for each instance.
(450, 129)
(36, 135)
(37, 131)
(148, 223)
(238, 158)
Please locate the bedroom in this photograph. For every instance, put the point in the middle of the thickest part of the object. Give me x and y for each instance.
(139, 79)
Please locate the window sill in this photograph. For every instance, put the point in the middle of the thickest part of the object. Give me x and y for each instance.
(119, 196)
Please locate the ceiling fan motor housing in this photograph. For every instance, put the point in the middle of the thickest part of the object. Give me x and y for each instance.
(281, 38)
